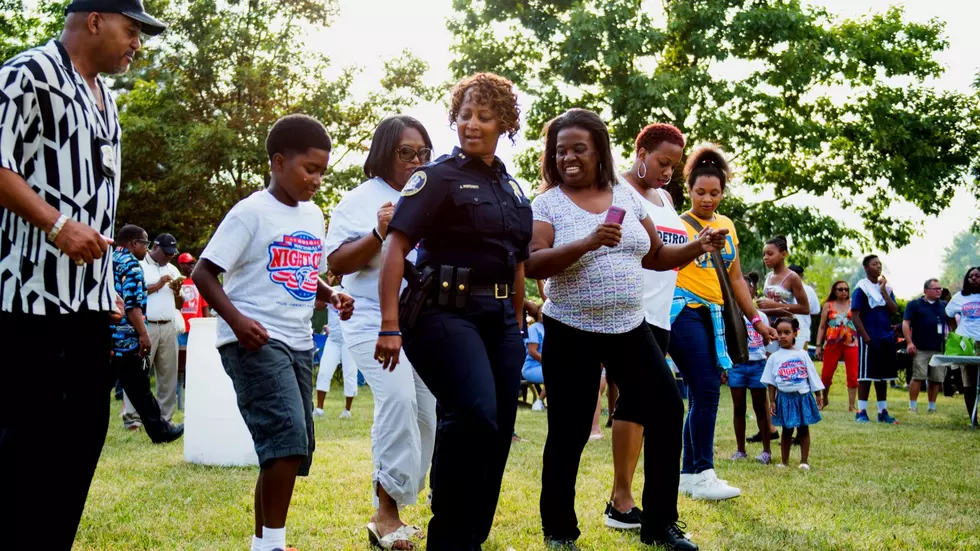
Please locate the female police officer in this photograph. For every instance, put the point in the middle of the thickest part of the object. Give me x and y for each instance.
(473, 226)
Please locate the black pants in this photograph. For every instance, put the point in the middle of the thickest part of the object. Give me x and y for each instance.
(135, 380)
(54, 411)
(572, 364)
(472, 364)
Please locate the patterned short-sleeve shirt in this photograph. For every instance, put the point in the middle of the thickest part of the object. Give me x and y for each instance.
(602, 291)
(53, 135)
(131, 287)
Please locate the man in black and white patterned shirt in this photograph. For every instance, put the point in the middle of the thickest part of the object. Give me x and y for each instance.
(59, 184)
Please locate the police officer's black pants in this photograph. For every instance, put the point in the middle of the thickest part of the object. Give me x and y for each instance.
(472, 364)
(572, 363)
(54, 412)
(135, 378)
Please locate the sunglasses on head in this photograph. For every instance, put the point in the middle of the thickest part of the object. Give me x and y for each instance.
(406, 153)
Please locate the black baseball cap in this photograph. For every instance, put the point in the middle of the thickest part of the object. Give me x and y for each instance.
(166, 242)
(132, 9)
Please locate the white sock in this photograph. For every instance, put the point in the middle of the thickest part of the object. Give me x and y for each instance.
(256, 543)
(273, 538)
(862, 405)
(914, 404)
(882, 405)
(932, 406)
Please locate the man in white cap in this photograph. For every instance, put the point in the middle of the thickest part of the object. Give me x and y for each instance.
(59, 186)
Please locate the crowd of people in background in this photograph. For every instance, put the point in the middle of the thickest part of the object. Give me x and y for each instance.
(425, 299)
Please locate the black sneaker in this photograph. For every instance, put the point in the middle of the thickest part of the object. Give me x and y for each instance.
(671, 537)
(629, 520)
(560, 545)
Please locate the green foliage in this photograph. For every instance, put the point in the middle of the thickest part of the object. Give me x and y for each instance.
(962, 254)
(804, 102)
(198, 112)
(198, 103)
(824, 269)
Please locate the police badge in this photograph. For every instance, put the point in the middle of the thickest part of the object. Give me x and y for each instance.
(414, 185)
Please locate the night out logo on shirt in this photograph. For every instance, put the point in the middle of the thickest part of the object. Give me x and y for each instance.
(294, 263)
(793, 371)
(971, 310)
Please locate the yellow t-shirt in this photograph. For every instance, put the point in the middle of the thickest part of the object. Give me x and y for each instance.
(699, 277)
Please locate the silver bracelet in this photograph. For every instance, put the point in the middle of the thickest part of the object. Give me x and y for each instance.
(58, 225)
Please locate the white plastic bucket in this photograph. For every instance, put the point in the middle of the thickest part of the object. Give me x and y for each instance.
(214, 432)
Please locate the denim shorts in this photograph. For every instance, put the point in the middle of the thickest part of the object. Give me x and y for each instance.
(747, 375)
(274, 385)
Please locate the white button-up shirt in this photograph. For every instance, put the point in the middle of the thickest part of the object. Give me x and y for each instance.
(160, 305)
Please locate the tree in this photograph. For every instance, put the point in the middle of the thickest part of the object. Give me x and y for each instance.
(23, 28)
(962, 254)
(827, 107)
(824, 269)
(199, 108)
(198, 103)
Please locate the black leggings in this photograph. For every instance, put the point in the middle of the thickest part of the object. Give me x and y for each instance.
(572, 362)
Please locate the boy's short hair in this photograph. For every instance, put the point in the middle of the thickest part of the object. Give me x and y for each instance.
(128, 233)
(867, 260)
(297, 134)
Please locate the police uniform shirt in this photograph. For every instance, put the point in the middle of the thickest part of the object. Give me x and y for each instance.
(53, 135)
(465, 213)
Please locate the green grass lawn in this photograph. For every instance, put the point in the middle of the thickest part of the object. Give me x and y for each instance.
(911, 486)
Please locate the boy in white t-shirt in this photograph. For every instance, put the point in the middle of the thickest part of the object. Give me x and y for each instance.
(270, 246)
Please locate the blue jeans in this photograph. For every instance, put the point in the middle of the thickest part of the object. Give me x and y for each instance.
(692, 349)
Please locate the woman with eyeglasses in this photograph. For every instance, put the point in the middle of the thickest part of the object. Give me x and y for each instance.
(836, 340)
(403, 433)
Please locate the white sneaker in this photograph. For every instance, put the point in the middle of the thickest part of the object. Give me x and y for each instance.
(538, 405)
(685, 485)
(346, 415)
(706, 486)
(317, 412)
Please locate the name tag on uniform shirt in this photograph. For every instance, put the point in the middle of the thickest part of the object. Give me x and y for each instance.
(469, 186)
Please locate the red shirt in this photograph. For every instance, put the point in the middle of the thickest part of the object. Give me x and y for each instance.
(194, 303)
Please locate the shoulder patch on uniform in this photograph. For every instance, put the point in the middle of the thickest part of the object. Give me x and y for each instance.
(517, 189)
(414, 185)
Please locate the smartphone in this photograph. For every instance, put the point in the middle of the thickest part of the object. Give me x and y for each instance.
(615, 215)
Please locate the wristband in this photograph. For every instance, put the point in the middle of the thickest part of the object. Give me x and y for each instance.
(755, 320)
(377, 235)
(57, 227)
(389, 333)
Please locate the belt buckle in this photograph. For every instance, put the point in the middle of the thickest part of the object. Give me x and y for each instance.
(497, 292)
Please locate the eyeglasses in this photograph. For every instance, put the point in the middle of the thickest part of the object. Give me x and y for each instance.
(845, 289)
(934, 288)
(143, 242)
(406, 153)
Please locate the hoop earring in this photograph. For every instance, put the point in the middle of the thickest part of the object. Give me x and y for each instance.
(644, 174)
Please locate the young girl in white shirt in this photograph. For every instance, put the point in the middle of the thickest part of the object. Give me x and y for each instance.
(792, 380)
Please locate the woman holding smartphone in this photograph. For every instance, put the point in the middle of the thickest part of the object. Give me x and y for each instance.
(592, 240)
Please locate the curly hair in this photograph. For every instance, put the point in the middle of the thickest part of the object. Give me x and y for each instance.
(493, 90)
(707, 160)
(657, 133)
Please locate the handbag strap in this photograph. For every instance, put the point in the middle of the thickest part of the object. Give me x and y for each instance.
(723, 279)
